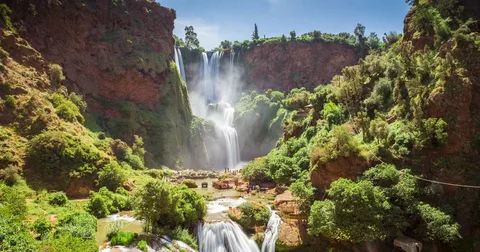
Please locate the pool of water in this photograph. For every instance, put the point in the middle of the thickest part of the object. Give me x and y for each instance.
(213, 192)
(131, 225)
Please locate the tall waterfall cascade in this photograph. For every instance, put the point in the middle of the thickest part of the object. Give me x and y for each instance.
(216, 90)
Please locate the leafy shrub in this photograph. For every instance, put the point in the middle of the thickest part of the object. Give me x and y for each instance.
(58, 198)
(10, 101)
(122, 238)
(142, 245)
(433, 133)
(120, 149)
(78, 224)
(105, 202)
(65, 108)
(304, 193)
(332, 113)
(135, 161)
(56, 74)
(111, 176)
(114, 227)
(78, 101)
(253, 215)
(42, 227)
(256, 171)
(401, 139)
(59, 155)
(190, 183)
(341, 144)
(282, 168)
(10, 175)
(171, 207)
(98, 205)
(5, 13)
(437, 225)
(68, 242)
(367, 219)
(14, 234)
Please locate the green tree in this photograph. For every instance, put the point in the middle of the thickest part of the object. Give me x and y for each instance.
(161, 204)
(437, 225)
(283, 39)
(379, 129)
(255, 33)
(304, 192)
(293, 36)
(361, 40)
(332, 113)
(112, 176)
(390, 38)
(373, 41)
(354, 212)
(226, 44)
(256, 171)
(317, 36)
(191, 40)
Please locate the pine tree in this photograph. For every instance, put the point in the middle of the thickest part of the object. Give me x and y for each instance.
(255, 33)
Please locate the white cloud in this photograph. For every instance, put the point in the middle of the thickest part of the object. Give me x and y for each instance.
(209, 35)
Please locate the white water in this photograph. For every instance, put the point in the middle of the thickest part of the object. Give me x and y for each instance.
(271, 233)
(220, 205)
(179, 62)
(224, 236)
(216, 92)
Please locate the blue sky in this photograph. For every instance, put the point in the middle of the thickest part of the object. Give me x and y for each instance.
(217, 20)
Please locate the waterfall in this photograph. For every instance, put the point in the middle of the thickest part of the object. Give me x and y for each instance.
(271, 233)
(216, 84)
(182, 67)
(224, 236)
(179, 62)
(208, 89)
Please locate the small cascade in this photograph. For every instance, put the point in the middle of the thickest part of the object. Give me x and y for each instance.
(208, 87)
(179, 62)
(224, 236)
(271, 233)
(182, 67)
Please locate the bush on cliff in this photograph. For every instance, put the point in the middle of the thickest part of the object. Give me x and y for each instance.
(389, 203)
(60, 156)
(111, 176)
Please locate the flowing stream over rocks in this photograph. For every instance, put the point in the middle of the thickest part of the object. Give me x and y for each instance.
(271, 233)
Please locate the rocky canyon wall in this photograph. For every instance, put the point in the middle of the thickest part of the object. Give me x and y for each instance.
(118, 55)
(284, 66)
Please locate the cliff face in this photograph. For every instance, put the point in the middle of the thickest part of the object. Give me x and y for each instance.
(117, 54)
(285, 66)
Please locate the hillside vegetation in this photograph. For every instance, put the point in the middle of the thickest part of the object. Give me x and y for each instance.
(354, 151)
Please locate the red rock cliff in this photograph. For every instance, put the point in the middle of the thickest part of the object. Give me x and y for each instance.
(114, 51)
(284, 66)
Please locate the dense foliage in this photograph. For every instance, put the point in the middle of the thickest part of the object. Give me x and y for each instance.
(401, 104)
(105, 202)
(252, 215)
(161, 204)
(386, 201)
(74, 232)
